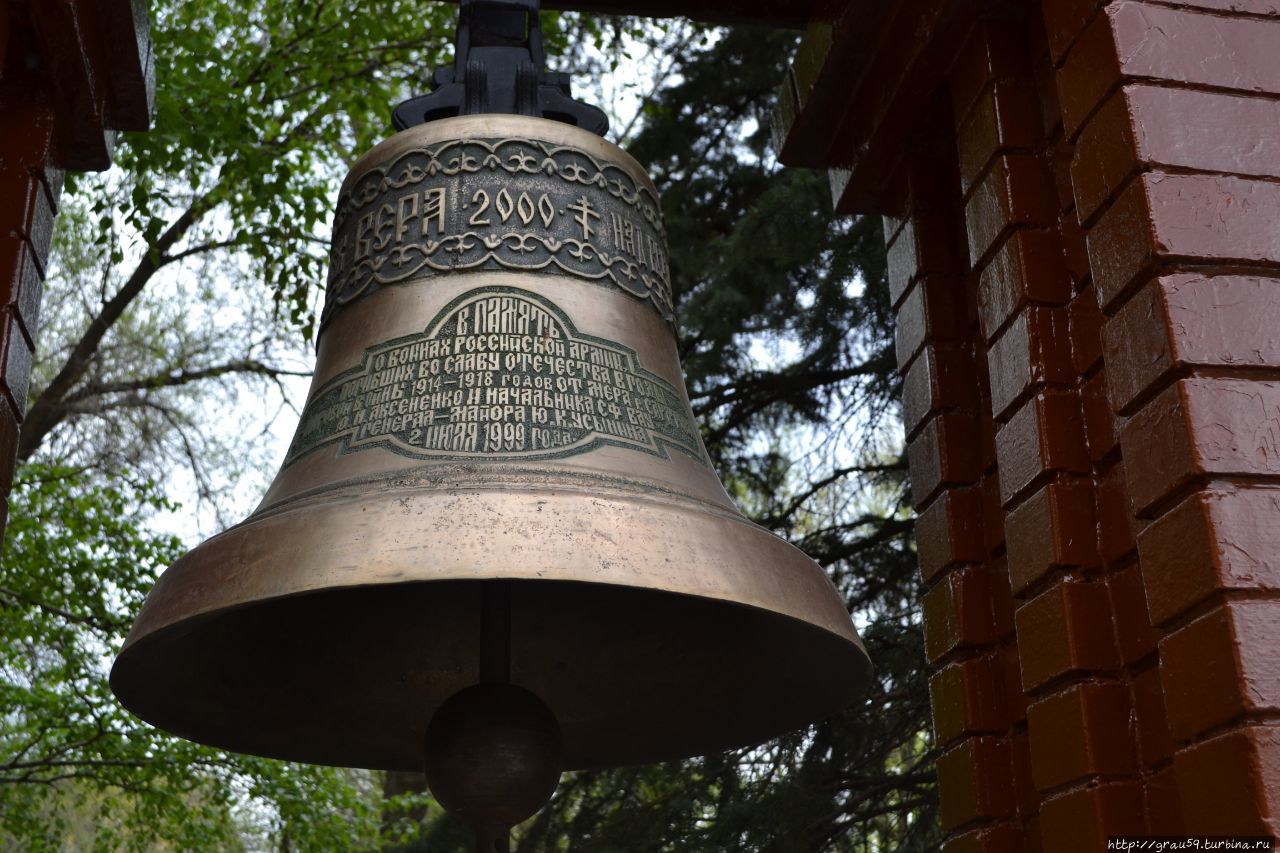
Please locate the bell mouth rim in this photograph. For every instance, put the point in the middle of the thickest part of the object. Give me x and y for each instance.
(738, 560)
(127, 678)
(488, 126)
(623, 584)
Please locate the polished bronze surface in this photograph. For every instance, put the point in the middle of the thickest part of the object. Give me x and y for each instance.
(497, 397)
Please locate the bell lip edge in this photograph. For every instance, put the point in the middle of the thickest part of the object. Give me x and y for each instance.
(836, 618)
(193, 621)
(860, 680)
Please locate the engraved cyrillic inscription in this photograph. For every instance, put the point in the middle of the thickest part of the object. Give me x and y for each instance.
(477, 204)
(500, 373)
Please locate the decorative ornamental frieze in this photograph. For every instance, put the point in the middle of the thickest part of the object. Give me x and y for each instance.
(498, 204)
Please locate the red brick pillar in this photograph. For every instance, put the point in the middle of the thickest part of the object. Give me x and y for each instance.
(1173, 113)
(29, 188)
(1015, 259)
(1086, 327)
(1083, 639)
(970, 641)
(70, 72)
(1060, 771)
(1084, 254)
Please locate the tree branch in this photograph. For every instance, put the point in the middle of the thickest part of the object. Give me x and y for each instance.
(180, 377)
(200, 249)
(778, 519)
(47, 411)
(792, 379)
(105, 627)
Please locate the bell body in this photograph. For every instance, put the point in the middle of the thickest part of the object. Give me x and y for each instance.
(497, 396)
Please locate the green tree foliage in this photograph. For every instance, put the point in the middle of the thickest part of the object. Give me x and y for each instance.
(79, 559)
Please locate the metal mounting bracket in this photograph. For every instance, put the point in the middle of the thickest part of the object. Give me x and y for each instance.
(498, 67)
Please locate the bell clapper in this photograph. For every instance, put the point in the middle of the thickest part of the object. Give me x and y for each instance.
(493, 750)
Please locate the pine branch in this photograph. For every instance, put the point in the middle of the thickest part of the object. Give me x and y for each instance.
(783, 517)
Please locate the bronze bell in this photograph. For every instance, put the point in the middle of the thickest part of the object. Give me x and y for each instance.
(497, 478)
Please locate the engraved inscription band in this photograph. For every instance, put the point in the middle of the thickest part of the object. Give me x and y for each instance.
(500, 373)
(498, 204)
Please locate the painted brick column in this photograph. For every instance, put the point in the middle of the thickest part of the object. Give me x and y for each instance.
(1084, 254)
(1172, 110)
(1050, 713)
(951, 450)
(1079, 781)
(30, 188)
(1090, 335)
(71, 73)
